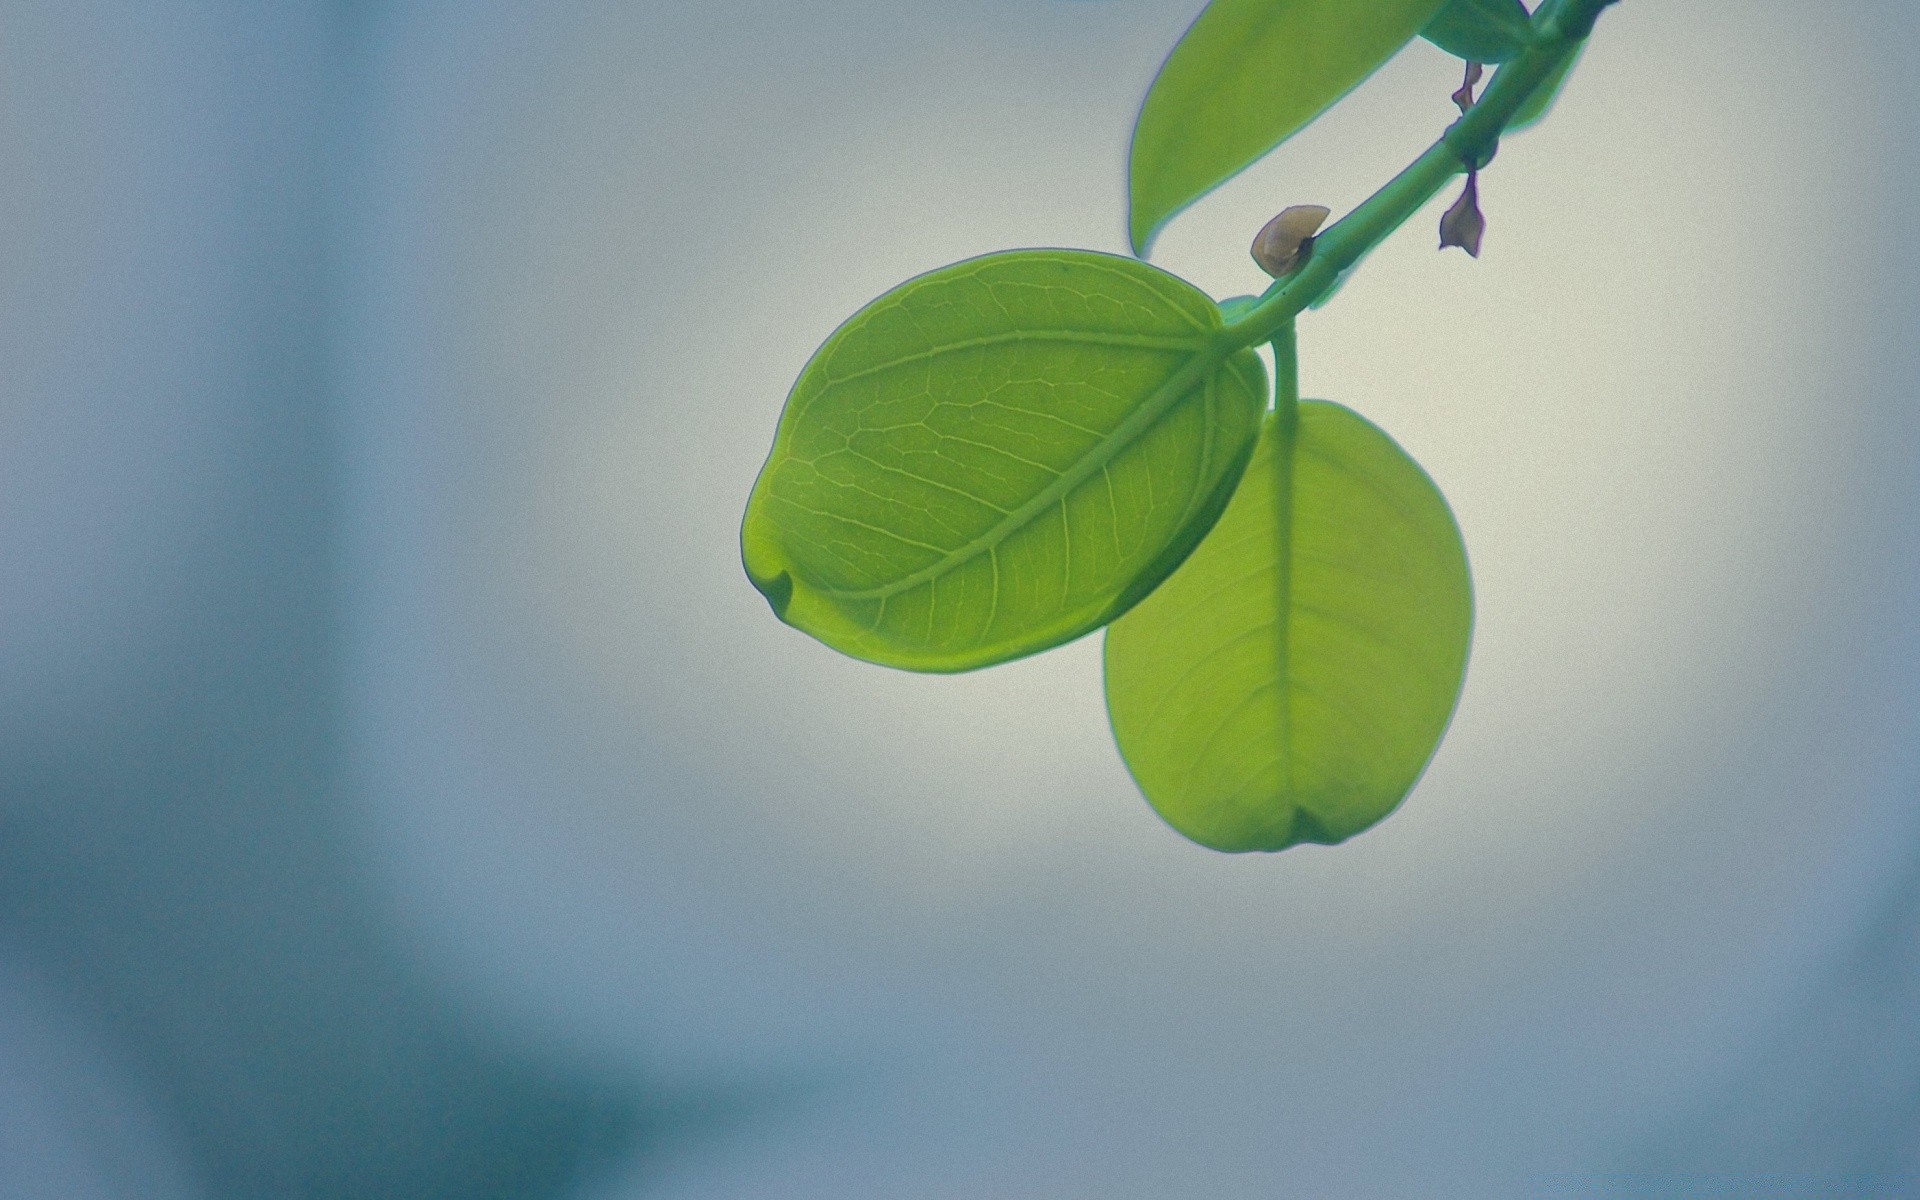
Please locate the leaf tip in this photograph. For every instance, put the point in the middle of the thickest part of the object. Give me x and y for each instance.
(1141, 231)
(1308, 827)
(776, 586)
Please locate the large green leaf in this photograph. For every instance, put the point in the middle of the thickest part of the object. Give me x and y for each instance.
(1246, 76)
(1484, 31)
(1290, 681)
(999, 456)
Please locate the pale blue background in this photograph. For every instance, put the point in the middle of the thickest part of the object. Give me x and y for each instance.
(402, 792)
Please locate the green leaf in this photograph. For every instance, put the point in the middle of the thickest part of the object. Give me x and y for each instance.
(1246, 76)
(1536, 105)
(1234, 307)
(999, 456)
(1483, 31)
(1289, 682)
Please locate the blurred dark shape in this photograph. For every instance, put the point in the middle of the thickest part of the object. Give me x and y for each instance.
(1829, 1106)
(180, 864)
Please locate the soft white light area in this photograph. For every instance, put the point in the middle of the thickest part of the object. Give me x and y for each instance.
(595, 246)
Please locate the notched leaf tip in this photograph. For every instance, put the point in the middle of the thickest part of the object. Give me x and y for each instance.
(778, 590)
(1308, 827)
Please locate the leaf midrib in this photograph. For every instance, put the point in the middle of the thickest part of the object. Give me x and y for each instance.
(1214, 351)
(1133, 341)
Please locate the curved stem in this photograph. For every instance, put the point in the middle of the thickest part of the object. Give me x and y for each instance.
(1559, 28)
(1286, 376)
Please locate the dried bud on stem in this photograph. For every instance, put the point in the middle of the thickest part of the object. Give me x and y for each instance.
(1283, 242)
(1462, 225)
(1464, 96)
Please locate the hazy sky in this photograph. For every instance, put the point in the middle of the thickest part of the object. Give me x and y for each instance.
(592, 245)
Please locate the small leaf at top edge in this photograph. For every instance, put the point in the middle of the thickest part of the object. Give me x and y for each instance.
(1246, 76)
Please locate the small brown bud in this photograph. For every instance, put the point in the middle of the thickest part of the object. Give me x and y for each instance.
(1285, 240)
(1463, 98)
(1462, 224)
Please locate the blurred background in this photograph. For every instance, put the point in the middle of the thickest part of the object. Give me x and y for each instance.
(403, 793)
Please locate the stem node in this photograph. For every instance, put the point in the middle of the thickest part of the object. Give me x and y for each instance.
(1466, 146)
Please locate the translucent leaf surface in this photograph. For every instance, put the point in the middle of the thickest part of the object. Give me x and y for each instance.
(1483, 31)
(1246, 75)
(1289, 682)
(999, 456)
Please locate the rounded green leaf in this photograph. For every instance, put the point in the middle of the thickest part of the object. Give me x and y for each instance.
(1483, 31)
(1245, 77)
(999, 456)
(1289, 682)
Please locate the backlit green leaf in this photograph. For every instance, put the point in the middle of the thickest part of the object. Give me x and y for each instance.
(1246, 75)
(1289, 682)
(999, 456)
(1483, 31)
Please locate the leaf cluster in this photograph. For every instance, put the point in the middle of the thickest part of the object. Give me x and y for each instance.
(1010, 452)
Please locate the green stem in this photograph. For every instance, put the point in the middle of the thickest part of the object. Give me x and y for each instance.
(1286, 426)
(1286, 376)
(1559, 28)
